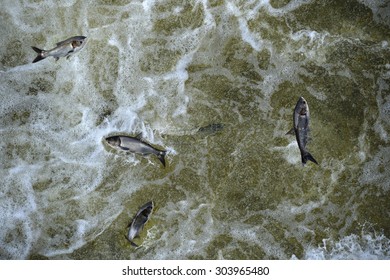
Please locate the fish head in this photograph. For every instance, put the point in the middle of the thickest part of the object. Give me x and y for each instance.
(79, 42)
(144, 212)
(113, 141)
(302, 108)
(147, 209)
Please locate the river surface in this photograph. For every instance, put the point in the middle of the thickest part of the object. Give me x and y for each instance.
(215, 83)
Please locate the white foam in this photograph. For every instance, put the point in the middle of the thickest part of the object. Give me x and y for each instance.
(254, 7)
(76, 242)
(290, 152)
(181, 75)
(374, 171)
(246, 34)
(19, 213)
(148, 4)
(380, 10)
(291, 6)
(312, 44)
(250, 234)
(367, 246)
(195, 225)
(317, 94)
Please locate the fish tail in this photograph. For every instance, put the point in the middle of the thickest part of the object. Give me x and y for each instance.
(40, 55)
(307, 156)
(161, 157)
(131, 242)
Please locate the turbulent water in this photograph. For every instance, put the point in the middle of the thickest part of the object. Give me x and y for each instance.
(215, 83)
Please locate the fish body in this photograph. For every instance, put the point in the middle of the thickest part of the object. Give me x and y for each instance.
(135, 145)
(63, 48)
(301, 120)
(138, 222)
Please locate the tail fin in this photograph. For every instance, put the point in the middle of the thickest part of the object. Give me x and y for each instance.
(307, 156)
(40, 54)
(161, 157)
(131, 242)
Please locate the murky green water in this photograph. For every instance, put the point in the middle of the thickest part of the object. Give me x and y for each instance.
(215, 83)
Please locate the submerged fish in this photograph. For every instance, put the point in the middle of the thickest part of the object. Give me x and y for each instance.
(63, 48)
(135, 145)
(301, 118)
(138, 222)
(210, 129)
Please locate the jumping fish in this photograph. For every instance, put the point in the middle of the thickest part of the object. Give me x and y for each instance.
(138, 222)
(135, 145)
(301, 119)
(63, 48)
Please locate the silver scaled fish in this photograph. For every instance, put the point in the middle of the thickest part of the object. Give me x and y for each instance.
(138, 222)
(301, 118)
(135, 145)
(63, 49)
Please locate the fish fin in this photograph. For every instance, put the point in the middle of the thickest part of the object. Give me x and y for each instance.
(37, 50)
(161, 157)
(131, 242)
(69, 54)
(62, 42)
(40, 54)
(139, 136)
(307, 156)
(291, 131)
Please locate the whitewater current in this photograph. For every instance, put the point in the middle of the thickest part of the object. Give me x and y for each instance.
(214, 83)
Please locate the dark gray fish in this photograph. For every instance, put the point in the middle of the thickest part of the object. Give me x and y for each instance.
(301, 118)
(63, 48)
(211, 129)
(138, 222)
(135, 145)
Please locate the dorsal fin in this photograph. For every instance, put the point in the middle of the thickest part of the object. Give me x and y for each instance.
(61, 43)
(139, 136)
(291, 131)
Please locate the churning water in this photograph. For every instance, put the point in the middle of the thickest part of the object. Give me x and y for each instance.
(214, 82)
